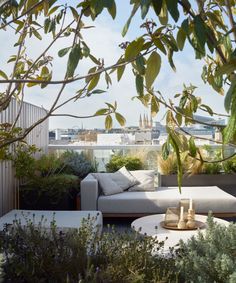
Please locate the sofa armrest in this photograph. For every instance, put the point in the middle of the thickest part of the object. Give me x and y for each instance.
(89, 193)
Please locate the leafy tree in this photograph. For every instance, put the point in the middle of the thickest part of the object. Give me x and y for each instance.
(208, 26)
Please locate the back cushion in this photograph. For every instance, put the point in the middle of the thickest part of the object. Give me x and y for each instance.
(145, 179)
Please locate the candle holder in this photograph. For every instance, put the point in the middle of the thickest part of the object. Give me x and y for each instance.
(172, 216)
(181, 223)
(185, 202)
(191, 223)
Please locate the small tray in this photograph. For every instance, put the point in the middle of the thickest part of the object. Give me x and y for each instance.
(198, 225)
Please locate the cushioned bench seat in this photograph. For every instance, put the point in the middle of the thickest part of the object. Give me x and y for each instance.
(205, 199)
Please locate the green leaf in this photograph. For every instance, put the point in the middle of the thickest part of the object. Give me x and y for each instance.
(200, 31)
(126, 27)
(165, 150)
(134, 48)
(153, 68)
(181, 37)
(163, 16)
(207, 108)
(139, 84)
(101, 112)
(63, 51)
(192, 147)
(227, 68)
(157, 5)
(4, 75)
(145, 5)
(120, 72)
(108, 122)
(172, 7)
(154, 106)
(170, 59)
(159, 45)
(121, 120)
(112, 9)
(230, 130)
(93, 82)
(179, 164)
(140, 65)
(36, 34)
(74, 13)
(185, 26)
(230, 95)
(98, 91)
(74, 57)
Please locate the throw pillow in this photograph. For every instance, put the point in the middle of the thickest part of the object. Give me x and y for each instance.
(108, 186)
(146, 180)
(124, 178)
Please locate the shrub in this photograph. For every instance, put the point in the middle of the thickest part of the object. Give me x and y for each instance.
(55, 187)
(33, 254)
(77, 164)
(209, 257)
(49, 164)
(212, 168)
(118, 161)
(168, 166)
(229, 166)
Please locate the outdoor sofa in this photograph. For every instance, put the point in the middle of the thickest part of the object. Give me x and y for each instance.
(139, 202)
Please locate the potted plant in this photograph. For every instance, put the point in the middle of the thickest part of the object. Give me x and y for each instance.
(197, 173)
(43, 183)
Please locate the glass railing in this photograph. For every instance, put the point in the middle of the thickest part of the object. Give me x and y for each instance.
(101, 154)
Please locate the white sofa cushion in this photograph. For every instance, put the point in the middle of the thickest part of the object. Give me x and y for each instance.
(145, 179)
(108, 186)
(205, 199)
(123, 178)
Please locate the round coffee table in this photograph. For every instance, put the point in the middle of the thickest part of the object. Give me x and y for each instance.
(150, 226)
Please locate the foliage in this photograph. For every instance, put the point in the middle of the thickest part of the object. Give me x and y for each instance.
(23, 161)
(53, 187)
(168, 166)
(49, 164)
(212, 168)
(34, 254)
(209, 257)
(45, 176)
(118, 161)
(229, 166)
(77, 164)
(208, 27)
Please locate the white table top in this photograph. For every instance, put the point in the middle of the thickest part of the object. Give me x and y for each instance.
(150, 226)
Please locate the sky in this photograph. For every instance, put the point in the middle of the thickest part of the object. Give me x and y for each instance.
(104, 40)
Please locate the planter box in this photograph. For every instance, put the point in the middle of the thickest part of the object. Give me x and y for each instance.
(30, 200)
(226, 182)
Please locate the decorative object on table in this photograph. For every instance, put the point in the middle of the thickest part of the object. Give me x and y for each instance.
(191, 223)
(172, 217)
(185, 202)
(191, 216)
(181, 223)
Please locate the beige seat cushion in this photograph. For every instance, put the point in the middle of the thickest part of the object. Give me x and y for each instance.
(205, 199)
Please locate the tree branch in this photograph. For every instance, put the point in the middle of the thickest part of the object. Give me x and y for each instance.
(68, 81)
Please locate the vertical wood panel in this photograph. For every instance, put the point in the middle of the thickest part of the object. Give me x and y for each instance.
(39, 136)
